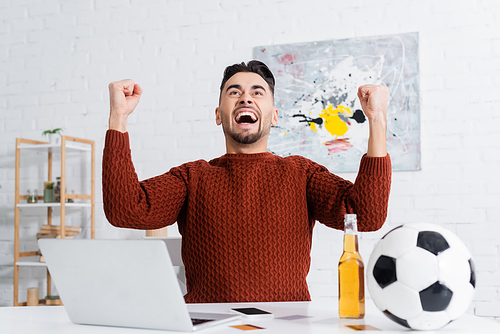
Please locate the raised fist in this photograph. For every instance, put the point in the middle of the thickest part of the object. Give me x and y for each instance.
(124, 95)
(374, 101)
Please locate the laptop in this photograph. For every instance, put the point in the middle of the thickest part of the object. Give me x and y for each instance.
(123, 283)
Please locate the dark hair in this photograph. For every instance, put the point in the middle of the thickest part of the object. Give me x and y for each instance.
(253, 66)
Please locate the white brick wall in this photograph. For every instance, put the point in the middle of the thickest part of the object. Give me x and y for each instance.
(57, 58)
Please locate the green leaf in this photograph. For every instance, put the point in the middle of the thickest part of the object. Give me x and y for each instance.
(54, 131)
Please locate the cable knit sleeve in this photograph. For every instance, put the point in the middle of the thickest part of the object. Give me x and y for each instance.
(331, 197)
(149, 204)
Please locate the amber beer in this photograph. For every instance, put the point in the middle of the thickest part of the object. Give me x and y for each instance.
(351, 274)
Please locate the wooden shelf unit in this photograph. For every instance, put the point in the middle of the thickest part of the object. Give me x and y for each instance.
(67, 144)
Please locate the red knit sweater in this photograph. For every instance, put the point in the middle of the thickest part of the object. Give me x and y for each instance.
(246, 220)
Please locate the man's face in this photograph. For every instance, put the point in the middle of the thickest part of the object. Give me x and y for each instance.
(246, 108)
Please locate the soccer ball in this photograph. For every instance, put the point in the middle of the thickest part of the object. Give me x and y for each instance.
(421, 276)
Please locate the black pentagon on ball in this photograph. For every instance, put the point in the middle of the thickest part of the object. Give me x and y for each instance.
(384, 271)
(435, 298)
(472, 273)
(398, 320)
(432, 241)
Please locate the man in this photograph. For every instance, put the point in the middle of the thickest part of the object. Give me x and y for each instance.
(247, 217)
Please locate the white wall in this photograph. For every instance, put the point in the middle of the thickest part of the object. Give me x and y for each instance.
(57, 57)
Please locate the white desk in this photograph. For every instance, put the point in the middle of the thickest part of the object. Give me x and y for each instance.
(321, 318)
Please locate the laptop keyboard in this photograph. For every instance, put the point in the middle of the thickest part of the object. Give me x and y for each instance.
(199, 321)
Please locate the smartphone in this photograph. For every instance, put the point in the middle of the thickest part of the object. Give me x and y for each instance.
(252, 312)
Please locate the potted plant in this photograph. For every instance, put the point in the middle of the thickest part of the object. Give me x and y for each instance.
(54, 135)
(48, 192)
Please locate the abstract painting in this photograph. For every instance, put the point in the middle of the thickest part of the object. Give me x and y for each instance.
(320, 116)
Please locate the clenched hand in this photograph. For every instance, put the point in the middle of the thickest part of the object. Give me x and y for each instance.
(124, 95)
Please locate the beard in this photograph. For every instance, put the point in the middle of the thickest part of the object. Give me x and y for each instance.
(244, 137)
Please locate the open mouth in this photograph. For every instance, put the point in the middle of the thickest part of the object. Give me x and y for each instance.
(246, 117)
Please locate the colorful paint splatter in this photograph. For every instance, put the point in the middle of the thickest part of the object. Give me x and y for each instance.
(316, 95)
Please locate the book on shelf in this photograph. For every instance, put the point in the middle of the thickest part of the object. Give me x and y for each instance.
(57, 228)
(53, 300)
(54, 236)
(54, 232)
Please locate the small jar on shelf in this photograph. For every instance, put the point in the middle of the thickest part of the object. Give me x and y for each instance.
(32, 196)
(57, 190)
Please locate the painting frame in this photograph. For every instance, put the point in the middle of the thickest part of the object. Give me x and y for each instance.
(320, 116)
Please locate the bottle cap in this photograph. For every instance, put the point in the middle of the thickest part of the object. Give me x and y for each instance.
(350, 224)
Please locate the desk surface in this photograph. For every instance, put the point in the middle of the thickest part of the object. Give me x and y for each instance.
(297, 317)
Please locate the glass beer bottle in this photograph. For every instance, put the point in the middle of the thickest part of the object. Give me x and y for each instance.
(351, 274)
